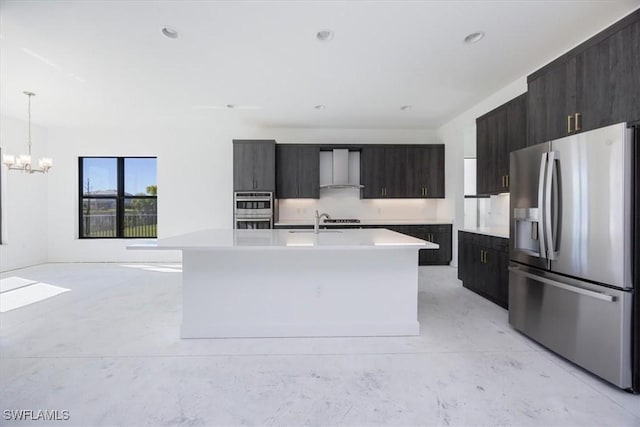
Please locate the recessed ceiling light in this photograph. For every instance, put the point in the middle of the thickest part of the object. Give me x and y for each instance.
(227, 107)
(320, 107)
(170, 32)
(405, 107)
(474, 37)
(324, 35)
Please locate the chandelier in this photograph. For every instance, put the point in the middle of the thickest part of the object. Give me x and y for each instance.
(23, 161)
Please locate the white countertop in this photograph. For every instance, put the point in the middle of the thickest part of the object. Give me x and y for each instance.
(489, 231)
(376, 238)
(309, 222)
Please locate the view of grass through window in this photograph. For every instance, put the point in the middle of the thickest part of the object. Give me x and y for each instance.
(118, 197)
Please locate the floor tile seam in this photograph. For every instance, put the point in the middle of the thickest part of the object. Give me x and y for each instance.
(134, 356)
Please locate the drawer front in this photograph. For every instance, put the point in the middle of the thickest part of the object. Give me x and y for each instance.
(585, 323)
(437, 228)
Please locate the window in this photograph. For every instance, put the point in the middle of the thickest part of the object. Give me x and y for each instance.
(118, 197)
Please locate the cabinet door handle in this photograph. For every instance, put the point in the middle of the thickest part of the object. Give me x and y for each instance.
(481, 256)
(503, 184)
(506, 177)
(569, 128)
(425, 191)
(382, 191)
(578, 121)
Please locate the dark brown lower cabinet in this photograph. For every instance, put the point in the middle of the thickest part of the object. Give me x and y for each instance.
(440, 234)
(436, 233)
(483, 266)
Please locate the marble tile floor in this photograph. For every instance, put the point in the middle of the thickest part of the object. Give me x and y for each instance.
(108, 352)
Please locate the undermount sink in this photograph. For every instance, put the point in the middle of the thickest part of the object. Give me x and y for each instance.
(311, 231)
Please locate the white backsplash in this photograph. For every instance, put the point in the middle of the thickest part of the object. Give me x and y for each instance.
(346, 203)
(499, 211)
(487, 213)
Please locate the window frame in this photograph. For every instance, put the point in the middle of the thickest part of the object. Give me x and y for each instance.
(119, 198)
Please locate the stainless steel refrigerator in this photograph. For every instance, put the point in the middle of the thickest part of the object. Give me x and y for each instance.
(571, 241)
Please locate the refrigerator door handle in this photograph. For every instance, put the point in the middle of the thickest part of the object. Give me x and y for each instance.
(541, 194)
(552, 156)
(581, 291)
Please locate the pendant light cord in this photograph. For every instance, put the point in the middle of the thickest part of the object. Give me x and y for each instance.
(29, 95)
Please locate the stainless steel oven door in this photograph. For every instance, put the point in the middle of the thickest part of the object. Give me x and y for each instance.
(253, 223)
(253, 205)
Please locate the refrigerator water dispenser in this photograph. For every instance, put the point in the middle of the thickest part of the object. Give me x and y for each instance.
(526, 225)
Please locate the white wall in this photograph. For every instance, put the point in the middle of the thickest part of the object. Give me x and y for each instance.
(195, 185)
(459, 134)
(354, 136)
(24, 199)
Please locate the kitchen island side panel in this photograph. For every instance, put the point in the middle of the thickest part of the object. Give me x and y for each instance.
(285, 293)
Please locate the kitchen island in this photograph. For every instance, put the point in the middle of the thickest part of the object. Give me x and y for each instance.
(293, 283)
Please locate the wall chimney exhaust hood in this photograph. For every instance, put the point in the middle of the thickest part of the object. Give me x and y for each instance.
(340, 168)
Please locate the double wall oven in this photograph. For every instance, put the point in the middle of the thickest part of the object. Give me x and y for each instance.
(252, 210)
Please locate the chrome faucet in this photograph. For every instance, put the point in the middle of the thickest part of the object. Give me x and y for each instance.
(316, 226)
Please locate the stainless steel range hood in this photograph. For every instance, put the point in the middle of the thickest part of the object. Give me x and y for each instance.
(340, 168)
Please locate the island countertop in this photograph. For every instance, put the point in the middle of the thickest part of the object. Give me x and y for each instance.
(376, 238)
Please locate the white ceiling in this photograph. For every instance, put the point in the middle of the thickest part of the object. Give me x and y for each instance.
(106, 63)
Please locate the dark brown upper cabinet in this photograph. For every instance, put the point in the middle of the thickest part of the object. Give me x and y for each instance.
(498, 133)
(402, 171)
(254, 165)
(608, 80)
(297, 171)
(594, 85)
(428, 162)
(372, 171)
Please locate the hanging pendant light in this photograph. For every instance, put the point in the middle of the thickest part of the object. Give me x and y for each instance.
(23, 161)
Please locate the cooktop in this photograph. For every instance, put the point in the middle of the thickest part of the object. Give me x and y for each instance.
(341, 221)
